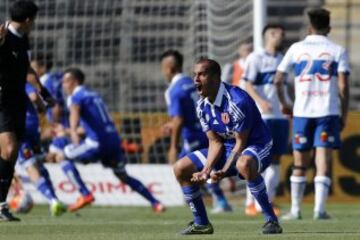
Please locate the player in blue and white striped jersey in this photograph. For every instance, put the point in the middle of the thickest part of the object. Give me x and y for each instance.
(321, 69)
(260, 71)
(239, 144)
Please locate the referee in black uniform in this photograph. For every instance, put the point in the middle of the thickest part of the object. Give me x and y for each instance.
(14, 66)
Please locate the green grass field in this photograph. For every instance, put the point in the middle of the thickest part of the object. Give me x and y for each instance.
(140, 223)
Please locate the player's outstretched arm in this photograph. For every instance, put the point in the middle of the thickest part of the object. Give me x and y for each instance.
(279, 81)
(215, 150)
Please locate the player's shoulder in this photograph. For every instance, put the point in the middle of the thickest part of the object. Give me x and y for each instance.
(181, 86)
(255, 55)
(237, 96)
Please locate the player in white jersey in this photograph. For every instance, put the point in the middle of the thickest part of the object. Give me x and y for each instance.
(260, 69)
(321, 71)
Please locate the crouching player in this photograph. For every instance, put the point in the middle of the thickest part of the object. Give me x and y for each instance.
(239, 143)
(31, 157)
(102, 140)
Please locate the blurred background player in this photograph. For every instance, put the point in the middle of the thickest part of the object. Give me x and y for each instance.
(14, 66)
(57, 122)
(42, 65)
(181, 98)
(321, 70)
(260, 71)
(30, 155)
(233, 73)
(239, 143)
(102, 140)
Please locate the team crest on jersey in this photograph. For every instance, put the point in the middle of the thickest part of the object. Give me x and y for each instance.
(27, 153)
(225, 118)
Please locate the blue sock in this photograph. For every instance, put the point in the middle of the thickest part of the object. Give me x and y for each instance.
(45, 174)
(193, 198)
(215, 190)
(74, 176)
(44, 186)
(137, 186)
(258, 190)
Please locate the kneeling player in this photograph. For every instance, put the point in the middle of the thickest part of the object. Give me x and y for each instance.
(102, 140)
(239, 143)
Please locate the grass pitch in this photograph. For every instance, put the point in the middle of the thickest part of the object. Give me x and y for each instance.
(140, 223)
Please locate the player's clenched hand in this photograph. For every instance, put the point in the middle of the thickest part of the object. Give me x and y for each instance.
(3, 32)
(216, 176)
(200, 177)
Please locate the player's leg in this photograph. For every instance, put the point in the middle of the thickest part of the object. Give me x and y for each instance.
(253, 161)
(303, 132)
(327, 137)
(68, 166)
(221, 203)
(322, 181)
(280, 134)
(8, 155)
(118, 167)
(183, 170)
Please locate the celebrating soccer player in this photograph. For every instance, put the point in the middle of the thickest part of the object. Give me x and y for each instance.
(259, 75)
(239, 143)
(181, 98)
(321, 71)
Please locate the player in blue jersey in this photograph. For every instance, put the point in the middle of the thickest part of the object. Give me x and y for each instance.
(30, 155)
(181, 98)
(42, 64)
(102, 140)
(239, 143)
(58, 119)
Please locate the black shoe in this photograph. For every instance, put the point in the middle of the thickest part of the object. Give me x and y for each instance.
(193, 228)
(6, 216)
(271, 227)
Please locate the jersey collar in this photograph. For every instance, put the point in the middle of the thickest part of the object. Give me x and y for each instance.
(219, 96)
(316, 37)
(14, 31)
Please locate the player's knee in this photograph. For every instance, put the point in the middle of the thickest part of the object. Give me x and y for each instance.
(181, 170)
(245, 166)
(299, 171)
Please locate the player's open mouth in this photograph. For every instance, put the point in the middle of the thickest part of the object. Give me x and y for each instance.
(198, 87)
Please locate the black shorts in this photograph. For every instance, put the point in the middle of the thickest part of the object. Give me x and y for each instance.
(12, 119)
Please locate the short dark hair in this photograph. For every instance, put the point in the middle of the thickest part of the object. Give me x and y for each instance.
(44, 60)
(214, 66)
(272, 26)
(178, 57)
(319, 18)
(77, 74)
(22, 10)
